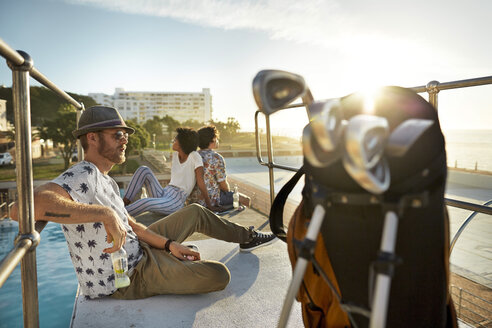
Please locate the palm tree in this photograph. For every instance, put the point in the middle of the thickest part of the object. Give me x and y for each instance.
(89, 284)
(80, 228)
(60, 131)
(90, 272)
(79, 270)
(83, 188)
(97, 226)
(79, 245)
(66, 187)
(91, 244)
(91, 259)
(87, 169)
(67, 174)
(104, 257)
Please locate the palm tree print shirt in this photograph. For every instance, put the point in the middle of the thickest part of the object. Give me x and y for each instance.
(86, 184)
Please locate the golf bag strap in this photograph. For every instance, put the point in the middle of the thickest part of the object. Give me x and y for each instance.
(277, 209)
(328, 197)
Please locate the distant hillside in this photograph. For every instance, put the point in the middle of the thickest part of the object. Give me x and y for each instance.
(44, 103)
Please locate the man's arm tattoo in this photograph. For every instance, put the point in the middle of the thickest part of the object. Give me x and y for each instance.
(57, 215)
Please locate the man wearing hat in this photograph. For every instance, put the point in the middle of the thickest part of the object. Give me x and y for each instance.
(85, 200)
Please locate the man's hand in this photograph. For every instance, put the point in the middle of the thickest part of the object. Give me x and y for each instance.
(215, 208)
(115, 230)
(183, 252)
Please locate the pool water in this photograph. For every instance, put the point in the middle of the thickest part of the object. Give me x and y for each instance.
(57, 282)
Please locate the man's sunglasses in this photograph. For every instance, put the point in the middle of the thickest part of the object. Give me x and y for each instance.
(119, 135)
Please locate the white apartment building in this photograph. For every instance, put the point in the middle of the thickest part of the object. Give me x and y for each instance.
(144, 105)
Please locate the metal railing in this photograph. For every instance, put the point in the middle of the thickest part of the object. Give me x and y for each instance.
(24, 250)
(5, 206)
(472, 308)
(432, 88)
(466, 222)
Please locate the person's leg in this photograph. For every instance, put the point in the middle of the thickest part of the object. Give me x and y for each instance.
(159, 272)
(196, 218)
(143, 176)
(172, 200)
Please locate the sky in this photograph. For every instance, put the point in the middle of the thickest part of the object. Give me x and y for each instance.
(338, 46)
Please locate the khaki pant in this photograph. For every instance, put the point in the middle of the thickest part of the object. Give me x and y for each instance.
(159, 272)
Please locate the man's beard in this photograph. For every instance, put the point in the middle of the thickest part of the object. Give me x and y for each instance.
(112, 154)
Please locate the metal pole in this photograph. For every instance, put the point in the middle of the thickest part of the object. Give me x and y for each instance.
(80, 150)
(15, 58)
(9, 262)
(380, 299)
(301, 265)
(468, 206)
(270, 159)
(433, 89)
(463, 226)
(22, 111)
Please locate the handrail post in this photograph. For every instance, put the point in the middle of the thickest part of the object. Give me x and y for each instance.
(80, 150)
(433, 89)
(23, 156)
(270, 159)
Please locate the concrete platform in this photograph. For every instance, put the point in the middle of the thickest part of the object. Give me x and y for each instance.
(253, 298)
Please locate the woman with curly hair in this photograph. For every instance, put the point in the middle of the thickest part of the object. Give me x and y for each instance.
(186, 171)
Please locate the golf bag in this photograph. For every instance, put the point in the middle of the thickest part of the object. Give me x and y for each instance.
(338, 286)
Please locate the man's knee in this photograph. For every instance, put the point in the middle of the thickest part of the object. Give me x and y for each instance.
(194, 209)
(222, 277)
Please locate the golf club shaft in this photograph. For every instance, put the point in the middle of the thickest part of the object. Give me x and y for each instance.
(300, 269)
(383, 281)
(308, 99)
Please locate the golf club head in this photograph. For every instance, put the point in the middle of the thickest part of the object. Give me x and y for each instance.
(314, 153)
(375, 180)
(275, 89)
(365, 140)
(405, 135)
(326, 123)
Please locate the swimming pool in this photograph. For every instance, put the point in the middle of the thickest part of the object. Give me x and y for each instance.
(57, 283)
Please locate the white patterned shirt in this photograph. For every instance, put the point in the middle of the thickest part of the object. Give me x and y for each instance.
(86, 184)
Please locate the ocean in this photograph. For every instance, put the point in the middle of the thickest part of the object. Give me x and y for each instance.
(468, 149)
